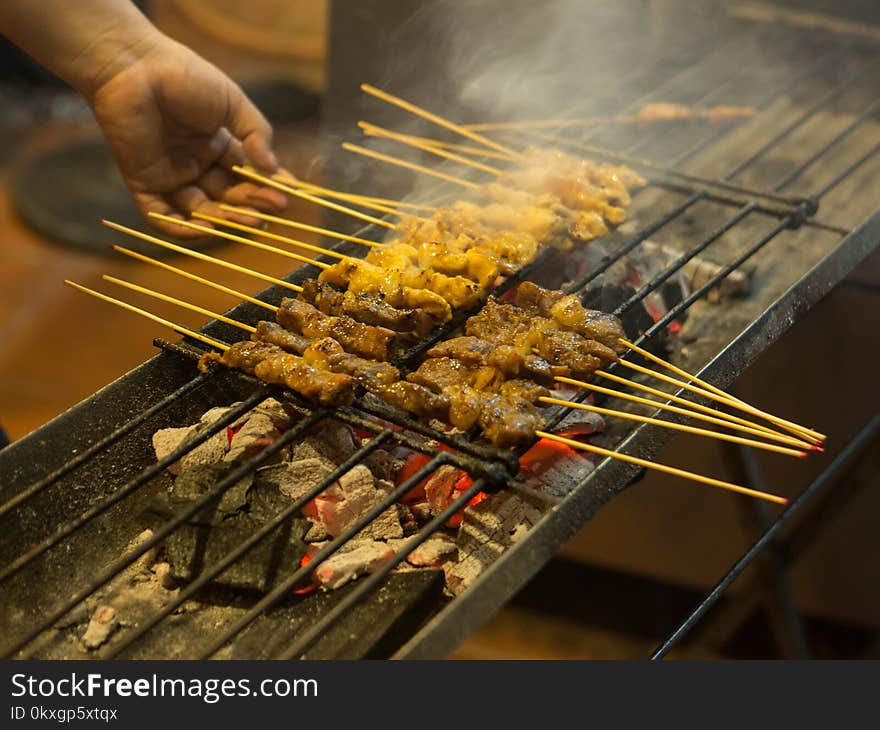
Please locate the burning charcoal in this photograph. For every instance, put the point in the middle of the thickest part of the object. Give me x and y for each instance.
(355, 495)
(198, 480)
(698, 271)
(103, 623)
(363, 556)
(274, 410)
(440, 488)
(213, 533)
(297, 478)
(330, 440)
(382, 463)
(211, 417)
(421, 511)
(434, 552)
(487, 530)
(553, 468)
(582, 423)
(163, 574)
(257, 431)
(210, 452)
(167, 440)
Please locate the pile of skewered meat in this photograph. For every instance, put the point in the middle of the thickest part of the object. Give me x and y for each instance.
(491, 377)
(452, 259)
(345, 329)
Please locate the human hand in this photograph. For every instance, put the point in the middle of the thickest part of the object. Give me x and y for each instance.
(175, 125)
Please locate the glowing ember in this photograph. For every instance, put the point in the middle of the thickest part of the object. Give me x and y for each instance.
(304, 561)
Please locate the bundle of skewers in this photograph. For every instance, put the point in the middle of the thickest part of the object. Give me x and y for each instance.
(342, 334)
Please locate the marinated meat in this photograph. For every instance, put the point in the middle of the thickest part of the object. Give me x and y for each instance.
(328, 354)
(568, 312)
(273, 365)
(374, 343)
(372, 309)
(509, 420)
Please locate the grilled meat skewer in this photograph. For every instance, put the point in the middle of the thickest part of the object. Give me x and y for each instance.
(273, 365)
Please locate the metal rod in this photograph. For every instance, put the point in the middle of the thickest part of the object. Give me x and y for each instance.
(154, 470)
(843, 460)
(99, 446)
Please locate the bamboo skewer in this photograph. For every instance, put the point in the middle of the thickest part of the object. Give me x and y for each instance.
(300, 226)
(178, 302)
(240, 239)
(676, 426)
(196, 278)
(272, 236)
(200, 256)
(253, 175)
(409, 165)
(352, 197)
(222, 346)
(673, 471)
(763, 433)
(382, 205)
(371, 130)
(452, 126)
(696, 406)
(465, 149)
(808, 433)
(363, 203)
(709, 394)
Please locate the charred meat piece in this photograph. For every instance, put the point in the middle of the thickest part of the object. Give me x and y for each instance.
(244, 356)
(275, 334)
(327, 354)
(468, 350)
(567, 348)
(465, 406)
(374, 343)
(514, 361)
(273, 365)
(402, 259)
(363, 277)
(496, 321)
(509, 420)
(525, 389)
(417, 399)
(569, 313)
(372, 309)
(440, 373)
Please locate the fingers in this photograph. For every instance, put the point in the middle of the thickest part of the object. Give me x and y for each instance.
(148, 203)
(267, 199)
(248, 125)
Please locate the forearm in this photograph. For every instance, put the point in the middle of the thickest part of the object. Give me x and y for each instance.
(83, 42)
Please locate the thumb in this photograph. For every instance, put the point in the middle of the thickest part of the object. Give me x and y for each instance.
(247, 124)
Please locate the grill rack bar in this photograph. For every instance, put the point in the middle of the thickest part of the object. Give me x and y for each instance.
(99, 446)
(145, 476)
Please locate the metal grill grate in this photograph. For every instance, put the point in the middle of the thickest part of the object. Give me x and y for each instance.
(489, 468)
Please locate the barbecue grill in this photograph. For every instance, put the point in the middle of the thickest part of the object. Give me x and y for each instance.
(775, 193)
